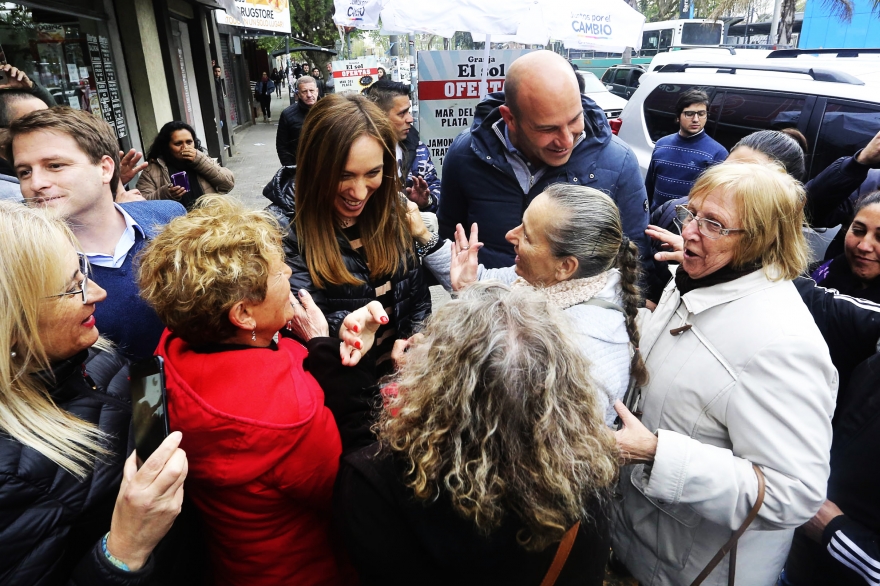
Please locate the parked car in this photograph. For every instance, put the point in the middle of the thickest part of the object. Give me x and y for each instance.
(833, 101)
(623, 80)
(704, 55)
(594, 89)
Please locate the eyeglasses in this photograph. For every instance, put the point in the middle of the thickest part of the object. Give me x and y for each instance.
(83, 285)
(692, 113)
(708, 228)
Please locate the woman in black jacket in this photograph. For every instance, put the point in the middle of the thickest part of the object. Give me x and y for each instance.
(856, 272)
(64, 426)
(349, 241)
(492, 448)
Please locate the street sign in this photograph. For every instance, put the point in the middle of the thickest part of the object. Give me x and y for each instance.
(449, 91)
(354, 75)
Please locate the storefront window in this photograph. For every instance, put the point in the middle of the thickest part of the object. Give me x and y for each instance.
(70, 56)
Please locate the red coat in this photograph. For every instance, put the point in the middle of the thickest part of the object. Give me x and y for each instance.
(263, 453)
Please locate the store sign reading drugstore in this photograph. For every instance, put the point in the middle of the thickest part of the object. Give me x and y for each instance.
(269, 15)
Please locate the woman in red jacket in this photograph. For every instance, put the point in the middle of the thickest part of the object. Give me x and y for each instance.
(262, 444)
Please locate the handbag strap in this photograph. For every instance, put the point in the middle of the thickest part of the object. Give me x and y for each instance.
(730, 546)
(561, 555)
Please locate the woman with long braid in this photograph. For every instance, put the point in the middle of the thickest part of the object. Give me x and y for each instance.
(571, 246)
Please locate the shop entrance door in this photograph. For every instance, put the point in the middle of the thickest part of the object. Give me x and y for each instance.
(182, 64)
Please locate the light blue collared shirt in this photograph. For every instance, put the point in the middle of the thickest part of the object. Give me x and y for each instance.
(126, 241)
(526, 174)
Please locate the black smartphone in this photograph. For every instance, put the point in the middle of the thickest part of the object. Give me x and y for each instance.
(149, 406)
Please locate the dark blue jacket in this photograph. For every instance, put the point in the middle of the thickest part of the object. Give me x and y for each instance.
(479, 185)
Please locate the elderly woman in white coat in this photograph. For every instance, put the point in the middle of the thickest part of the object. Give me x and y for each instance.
(570, 245)
(739, 376)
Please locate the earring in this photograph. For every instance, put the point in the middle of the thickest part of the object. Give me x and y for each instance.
(289, 325)
(254, 335)
(13, 354)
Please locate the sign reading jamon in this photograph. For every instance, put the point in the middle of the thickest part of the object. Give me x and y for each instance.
(449, 91)
(268, 15)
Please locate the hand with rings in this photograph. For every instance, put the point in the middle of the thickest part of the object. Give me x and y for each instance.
(465, 261)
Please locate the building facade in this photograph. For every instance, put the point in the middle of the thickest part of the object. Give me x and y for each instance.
(138, 64)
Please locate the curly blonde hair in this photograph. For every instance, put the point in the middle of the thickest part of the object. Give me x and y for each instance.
(496, 409)
(205, 262)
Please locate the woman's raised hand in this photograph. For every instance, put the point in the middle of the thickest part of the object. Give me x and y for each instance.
(358, 331)
(308, 320)
(464, 262)
(672, 244)
(416, 224)
(188, 154)
(148, 502)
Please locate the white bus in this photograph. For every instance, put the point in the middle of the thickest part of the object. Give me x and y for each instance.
(668, 35)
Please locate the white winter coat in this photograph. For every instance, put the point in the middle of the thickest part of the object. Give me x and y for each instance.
(750, 382)
(602, 335)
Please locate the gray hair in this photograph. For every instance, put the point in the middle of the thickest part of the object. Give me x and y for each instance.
(305, 79)
(588, 227)
(496, 409)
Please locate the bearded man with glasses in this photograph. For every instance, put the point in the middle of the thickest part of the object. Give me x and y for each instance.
(680, 158)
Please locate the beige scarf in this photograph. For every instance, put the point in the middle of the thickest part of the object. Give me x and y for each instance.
(569, 293)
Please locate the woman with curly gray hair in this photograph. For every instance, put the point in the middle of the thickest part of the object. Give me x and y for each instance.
(491, 451)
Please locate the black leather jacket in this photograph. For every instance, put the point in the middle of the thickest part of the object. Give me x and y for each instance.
(289, 128)
(51, 523)
(412, 299)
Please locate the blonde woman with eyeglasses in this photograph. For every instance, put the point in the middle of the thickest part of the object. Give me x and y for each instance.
(740, 395)
(65, 414)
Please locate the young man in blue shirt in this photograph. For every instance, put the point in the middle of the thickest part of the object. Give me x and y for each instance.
(680, 158)
(67, 161)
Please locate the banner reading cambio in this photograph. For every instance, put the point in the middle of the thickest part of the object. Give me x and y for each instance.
(354, 75)
(360, 14)
(268, 15)
(449, 90)
(610, 26)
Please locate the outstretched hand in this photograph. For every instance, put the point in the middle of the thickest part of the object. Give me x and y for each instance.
(358, 331)
(465, 258)
(417, 226)
(15, 78)
(671, 243)
(870, 155)
(308, 320)
(636, 443)
(419, 191)
(129, 166)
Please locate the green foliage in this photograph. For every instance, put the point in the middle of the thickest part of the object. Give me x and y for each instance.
(270, 44)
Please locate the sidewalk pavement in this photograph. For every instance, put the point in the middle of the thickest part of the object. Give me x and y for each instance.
(256, 161)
